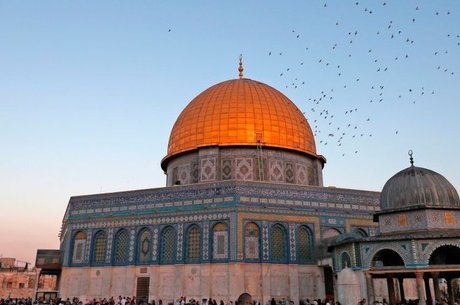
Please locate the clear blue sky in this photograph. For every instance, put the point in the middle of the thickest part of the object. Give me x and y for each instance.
(89, 91)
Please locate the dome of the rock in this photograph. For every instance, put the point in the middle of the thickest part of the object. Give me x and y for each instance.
(241, 112)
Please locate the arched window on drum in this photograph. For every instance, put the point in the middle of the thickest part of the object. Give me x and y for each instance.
(304, 244)
(100, 247)
(220, 241)
(121, 251)
(278, 244)
(193, 250)
(251, 236)
(79, 244)
(144, 250)
(167, 245)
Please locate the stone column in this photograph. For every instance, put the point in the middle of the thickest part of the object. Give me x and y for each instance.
(391, 289)
(429, 299)
(437, 292)
(370, 288)
(420, 287)
(401, 288)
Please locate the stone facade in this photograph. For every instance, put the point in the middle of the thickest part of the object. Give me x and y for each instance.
(20, 282)
(17, 284)
(222, 281)
(207, 240)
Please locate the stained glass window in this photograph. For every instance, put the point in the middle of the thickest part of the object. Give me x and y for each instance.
(193, 243)
(220, 241)
(251, 234)
(143, 246)
(304, 244)
(79, 247)
(99, 247)
(121, 246)
(168, 239)
(278, 244)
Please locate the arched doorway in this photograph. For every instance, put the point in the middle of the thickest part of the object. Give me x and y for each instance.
(445, 284)
(445, 255)
(386, 258)
(390, 258)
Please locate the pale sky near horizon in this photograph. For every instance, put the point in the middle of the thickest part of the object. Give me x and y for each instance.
(89, 91)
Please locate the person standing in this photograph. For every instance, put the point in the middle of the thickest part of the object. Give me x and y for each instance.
(244, 299)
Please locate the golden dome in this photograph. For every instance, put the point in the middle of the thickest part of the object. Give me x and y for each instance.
(240, 112)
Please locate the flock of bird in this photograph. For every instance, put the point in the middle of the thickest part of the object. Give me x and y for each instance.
(333, 118)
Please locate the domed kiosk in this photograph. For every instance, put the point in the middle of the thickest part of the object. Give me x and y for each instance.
(418, 187)
(418, 241)
(244, 209)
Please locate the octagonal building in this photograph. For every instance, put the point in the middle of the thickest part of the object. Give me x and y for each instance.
(244, 210)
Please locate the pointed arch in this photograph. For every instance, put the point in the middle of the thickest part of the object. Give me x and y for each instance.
(360, 233)
(220, 241)
(144, 248)
(99, 247)
(345, 260)
(167, 245)
(445, 255)
(79, 245)
(121, 247)
(330, 232)
(279, 243)
(387, 257)
(252, 241)
(193, 243)
(304, 244)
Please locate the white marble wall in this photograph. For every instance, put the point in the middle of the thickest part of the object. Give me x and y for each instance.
(218, 281)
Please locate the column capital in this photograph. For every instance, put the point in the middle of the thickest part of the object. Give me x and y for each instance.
(419, 274)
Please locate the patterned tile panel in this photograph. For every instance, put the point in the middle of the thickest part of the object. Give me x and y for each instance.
(276, 171)
(289, 173)
(292, 241)
(108, 257)
(180, 240)
(227, 169)
(155, 244)
(89, 234)
(144, 201)
(208, 169)
(206, 240)
(301, 174)
(244, 169)
(265, 242)
(132, 238)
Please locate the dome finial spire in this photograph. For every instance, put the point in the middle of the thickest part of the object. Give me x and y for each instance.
(410, 155)
(240, 68)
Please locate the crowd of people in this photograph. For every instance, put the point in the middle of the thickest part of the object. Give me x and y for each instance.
(185, 301)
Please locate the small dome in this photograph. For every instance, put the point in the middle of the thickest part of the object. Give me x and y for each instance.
(418, 187)
(241, 112)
